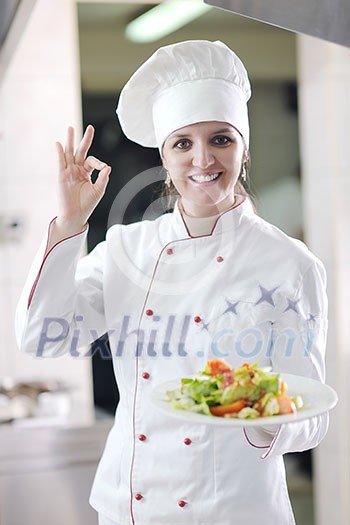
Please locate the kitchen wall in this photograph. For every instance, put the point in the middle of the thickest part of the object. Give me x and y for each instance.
(39, 97)
(324, 86)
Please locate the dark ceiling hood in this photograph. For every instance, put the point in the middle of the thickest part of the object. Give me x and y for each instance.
(14, 16)
(326, 19)
(7, 12)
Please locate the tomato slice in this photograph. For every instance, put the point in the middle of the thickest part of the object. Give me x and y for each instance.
(217, 367)
(233, 408)
(286, 405)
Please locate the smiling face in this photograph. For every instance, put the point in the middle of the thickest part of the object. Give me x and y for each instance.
(204, 161)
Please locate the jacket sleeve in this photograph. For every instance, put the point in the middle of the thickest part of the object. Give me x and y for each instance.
(298, 347)
(61, 307)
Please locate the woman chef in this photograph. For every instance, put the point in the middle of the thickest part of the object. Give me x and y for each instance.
(209, 280)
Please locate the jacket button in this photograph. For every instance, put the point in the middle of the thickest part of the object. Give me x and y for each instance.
(142, 437)
(197, 319)
(145, 375)
(187, 441)
(169, 251)
(219, 259)
(149, 312)
(138, 496)
(182, 503)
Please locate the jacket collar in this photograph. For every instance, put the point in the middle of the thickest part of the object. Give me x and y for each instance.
(228, 221)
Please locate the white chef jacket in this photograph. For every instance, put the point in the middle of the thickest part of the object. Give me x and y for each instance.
(170, 302)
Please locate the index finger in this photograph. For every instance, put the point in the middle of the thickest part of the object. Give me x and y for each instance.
(84, 145)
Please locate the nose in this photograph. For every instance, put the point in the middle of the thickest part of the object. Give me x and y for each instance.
(203, 157)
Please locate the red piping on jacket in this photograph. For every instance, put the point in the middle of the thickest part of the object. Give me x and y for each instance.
(45, 257)
(215, 223)
(250, 442)
(269, 447)
(190, 237)
(264, 456)
(137, 370)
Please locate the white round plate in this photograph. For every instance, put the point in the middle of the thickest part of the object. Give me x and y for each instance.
(318, 398)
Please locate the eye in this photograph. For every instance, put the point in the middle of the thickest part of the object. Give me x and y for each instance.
(222, 140)
(182, 144)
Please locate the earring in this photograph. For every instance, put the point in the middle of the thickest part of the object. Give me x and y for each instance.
(167, 181)
(244, 172)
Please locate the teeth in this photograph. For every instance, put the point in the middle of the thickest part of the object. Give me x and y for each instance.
(205, 178)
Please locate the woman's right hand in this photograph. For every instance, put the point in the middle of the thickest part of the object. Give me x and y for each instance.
(77, 195)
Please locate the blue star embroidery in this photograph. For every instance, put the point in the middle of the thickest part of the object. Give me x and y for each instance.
(266, 295)
(205, 326)
(312, 317)
(292, 305)
(231, 307)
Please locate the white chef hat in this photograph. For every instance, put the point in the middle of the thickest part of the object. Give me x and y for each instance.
(181, 84)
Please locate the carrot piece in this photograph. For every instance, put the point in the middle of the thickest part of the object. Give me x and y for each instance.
(283, 387)
(233, 408)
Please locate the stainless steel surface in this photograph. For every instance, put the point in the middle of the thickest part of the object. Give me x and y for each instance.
(326, 19)
(46, 473)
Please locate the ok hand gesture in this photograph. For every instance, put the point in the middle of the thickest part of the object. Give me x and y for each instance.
(77, 195)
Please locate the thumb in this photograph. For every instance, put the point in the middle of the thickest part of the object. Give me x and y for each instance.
(102, 180)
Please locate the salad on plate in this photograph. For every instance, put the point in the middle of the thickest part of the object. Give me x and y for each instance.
(246, 392)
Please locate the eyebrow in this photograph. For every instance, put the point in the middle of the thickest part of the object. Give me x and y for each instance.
(223, 130)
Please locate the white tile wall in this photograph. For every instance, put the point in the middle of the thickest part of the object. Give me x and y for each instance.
(324, 87)
(39, 98)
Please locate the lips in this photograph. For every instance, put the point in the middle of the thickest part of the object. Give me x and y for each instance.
(205, 177)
